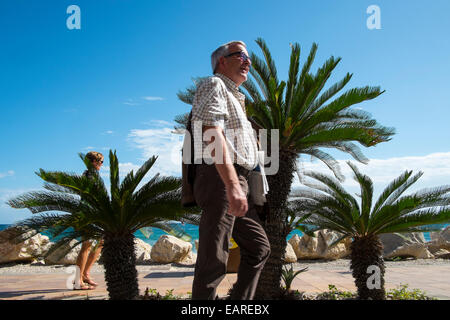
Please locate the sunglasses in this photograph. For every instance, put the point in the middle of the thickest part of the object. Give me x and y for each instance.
(241, 54)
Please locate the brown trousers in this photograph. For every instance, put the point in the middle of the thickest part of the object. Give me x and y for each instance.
(216, 227)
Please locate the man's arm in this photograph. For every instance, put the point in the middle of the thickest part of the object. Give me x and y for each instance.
(237, 199)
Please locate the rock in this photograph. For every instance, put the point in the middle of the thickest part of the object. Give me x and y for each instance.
(170, 249)
(416, 250)
(64, 254)
(294, 241)
(434, 235)
(307, 247)
(289, 254)
(19, 250)
(442, 254)
(338, 251)
(445, 234)
(142, 250)
(439, 241)
(190, 259)
(38, 262)
(392, 241)
(318, 247)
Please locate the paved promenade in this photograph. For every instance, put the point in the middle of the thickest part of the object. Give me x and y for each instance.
(36, 284)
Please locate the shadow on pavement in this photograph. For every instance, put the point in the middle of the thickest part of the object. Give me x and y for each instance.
(12, 294)
(169, 274)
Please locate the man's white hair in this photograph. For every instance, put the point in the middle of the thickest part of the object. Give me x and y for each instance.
(222, 51)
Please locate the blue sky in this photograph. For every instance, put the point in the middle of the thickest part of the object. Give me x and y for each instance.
(113, 83)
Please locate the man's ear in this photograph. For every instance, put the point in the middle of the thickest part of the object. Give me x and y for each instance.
(221, 61)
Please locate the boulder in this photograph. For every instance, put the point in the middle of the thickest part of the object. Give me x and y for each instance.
(65, 254)
(170, 249)
(442, 254)
(393, 241)
(445, 234)
(14, 248)
(294, 241)
(318, 247)
(439, 241)
(415, 250)
(190, 259)
(142, 250)
(289, 254)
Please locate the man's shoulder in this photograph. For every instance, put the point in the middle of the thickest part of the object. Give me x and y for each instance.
(212, 82)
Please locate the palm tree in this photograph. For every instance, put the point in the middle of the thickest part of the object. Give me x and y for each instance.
(307, 120)
(114, 217)
(335, 209)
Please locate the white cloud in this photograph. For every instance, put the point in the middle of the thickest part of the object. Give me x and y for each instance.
(108, 132)
(131, 102)
(8, 173)
(134, 102)
(435, 168)
(153, 98)
(124, 169)
(161, 142)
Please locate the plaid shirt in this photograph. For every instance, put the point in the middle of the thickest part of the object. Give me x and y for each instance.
(218, 102)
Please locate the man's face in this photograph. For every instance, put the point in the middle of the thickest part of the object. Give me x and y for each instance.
(236, 66)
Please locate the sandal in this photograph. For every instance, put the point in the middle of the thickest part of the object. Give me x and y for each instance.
(89, 281)
(77, 286)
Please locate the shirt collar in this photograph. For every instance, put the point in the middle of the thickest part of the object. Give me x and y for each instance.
(231, 85)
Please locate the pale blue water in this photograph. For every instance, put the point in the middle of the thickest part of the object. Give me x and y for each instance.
(192, 233)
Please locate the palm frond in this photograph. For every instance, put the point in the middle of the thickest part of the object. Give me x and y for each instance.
(366, 186)
(131, 181)
(293, 75)
(269, 61)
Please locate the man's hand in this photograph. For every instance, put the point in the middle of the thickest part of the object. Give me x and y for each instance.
(237, 200)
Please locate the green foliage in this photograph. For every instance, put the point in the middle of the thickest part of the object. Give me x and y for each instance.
(288, 275)
(307, 117)
(74, 206)
(335, 209)
(403, 293)
(400, 293)
(334, 294)
(153, 294)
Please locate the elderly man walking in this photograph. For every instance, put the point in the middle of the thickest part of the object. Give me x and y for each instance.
(221, 186)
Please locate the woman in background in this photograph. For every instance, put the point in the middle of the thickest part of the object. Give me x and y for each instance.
(88, 255)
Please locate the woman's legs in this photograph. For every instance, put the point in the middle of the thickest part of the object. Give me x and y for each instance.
(92, 258)
(81, 264)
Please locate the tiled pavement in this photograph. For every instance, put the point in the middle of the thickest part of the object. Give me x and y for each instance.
(434, 280)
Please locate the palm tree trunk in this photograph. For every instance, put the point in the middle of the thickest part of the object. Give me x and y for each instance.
(275, 227)
(368, 268)
(120, 267)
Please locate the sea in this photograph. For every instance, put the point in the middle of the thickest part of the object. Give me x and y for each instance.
(188, 232)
